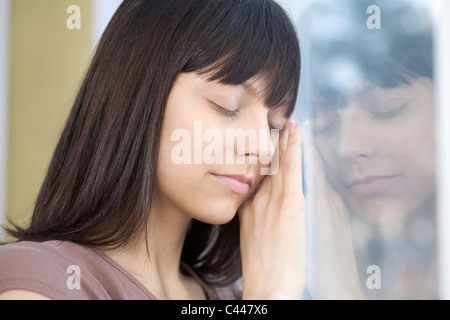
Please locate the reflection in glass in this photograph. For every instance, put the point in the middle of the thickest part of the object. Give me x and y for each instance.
(368, 96)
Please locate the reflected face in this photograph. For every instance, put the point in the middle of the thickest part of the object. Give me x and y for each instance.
(211, 192)
(379, 150)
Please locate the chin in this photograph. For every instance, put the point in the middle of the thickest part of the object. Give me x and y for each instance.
(385, 218)
(217, 215)
(217, 221)
(383, 213)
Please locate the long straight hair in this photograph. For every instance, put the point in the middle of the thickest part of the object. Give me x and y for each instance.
(97, 191)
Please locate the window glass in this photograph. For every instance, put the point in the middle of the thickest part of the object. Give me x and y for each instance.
(367, 107)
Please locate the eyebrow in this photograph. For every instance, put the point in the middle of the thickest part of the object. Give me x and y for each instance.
(368, 90)
(250, 89)
(261, 95)
(253, 91)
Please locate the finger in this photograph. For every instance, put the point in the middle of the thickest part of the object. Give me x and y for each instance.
(276, 177)
(291, 166)
(284, 136)
(259, 194)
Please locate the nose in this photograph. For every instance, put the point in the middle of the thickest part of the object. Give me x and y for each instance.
(255, 141)
(355, 138)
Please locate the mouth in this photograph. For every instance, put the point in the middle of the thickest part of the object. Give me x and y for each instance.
(370, 185)
(237, 183)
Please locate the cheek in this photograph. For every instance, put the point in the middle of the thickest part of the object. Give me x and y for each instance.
(411, 145)
(195, 195)
(193, 190)
(176, 179)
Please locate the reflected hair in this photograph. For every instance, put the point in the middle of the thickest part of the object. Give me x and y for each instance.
(97, 191)
(338, 40)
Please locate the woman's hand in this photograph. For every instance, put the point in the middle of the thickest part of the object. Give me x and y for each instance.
(272, 228)
(332, 271)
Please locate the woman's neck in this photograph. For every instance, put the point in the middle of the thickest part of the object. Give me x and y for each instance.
(154, 258)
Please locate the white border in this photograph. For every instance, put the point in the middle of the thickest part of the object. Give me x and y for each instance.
(443, 145)
(103, 10)
(5, 7)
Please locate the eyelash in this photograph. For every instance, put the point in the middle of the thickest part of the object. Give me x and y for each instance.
(381, 115)
(326, 129)
(231, 114)
(390, 114)
(225, 112)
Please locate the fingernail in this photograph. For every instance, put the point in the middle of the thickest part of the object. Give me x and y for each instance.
(291, 127)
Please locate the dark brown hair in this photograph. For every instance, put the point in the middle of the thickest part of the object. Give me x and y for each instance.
(98, 188)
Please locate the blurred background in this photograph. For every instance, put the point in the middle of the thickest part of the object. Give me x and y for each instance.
(43, 62)
(381, 67)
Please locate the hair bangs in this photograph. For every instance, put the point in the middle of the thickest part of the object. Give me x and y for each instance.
(252, 41)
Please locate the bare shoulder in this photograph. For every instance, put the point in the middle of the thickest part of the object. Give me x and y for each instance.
(22, 295)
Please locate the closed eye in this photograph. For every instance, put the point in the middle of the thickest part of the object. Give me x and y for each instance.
(224, 111)
(323, 126)
(390, 114)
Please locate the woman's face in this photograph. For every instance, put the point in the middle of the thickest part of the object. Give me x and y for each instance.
(378, 151)
(202, 167)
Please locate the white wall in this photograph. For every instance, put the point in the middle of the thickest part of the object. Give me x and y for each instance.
(295, 7)
(103, 11)
(4, 105)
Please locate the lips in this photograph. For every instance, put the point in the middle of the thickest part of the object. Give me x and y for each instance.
(370, 185)
(237, 183)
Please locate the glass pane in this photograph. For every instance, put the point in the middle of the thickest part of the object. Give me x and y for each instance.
(366, 95)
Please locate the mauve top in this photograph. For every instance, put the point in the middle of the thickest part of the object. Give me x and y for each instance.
(55, 268)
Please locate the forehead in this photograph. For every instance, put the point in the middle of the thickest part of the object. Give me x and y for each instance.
(368, 92)
(256, 87)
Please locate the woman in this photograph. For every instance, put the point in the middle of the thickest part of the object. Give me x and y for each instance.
(373, 126)
(118, 218)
